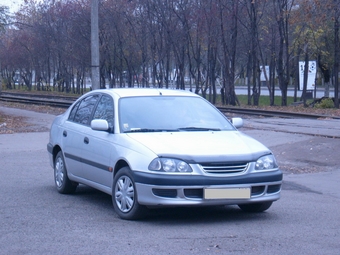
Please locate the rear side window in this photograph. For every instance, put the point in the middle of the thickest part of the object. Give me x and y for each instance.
(73, 111)
(82, 111)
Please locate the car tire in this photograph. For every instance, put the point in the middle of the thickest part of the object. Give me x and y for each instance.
(255, 207)
(124, 196)
(61, 180)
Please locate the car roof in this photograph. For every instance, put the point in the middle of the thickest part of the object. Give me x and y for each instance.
(133, 92)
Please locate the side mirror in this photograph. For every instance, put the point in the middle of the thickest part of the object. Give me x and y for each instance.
(100, 125)
(237, 122)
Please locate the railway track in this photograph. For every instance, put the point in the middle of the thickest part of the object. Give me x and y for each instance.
(65, 102)
(22, 98)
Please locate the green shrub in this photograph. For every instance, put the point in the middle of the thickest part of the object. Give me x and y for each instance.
(325, 103)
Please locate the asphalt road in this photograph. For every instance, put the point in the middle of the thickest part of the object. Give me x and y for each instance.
(35, 219)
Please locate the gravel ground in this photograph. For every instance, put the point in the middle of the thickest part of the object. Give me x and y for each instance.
(316, 154)
(10, 124)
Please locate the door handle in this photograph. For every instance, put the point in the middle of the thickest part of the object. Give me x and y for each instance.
(86, 140)
(64, 133)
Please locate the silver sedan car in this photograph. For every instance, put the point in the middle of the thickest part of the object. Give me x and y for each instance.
(160, 148)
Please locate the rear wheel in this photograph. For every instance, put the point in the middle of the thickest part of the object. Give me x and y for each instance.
(124, 196)
(61, 180)
(255, 207)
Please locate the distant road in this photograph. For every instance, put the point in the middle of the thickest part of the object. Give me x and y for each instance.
(264, 92)
(243, 90)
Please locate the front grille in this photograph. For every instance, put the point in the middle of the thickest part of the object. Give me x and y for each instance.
(224, 168)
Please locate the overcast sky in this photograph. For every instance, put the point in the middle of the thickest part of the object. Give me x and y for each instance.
(12, 4)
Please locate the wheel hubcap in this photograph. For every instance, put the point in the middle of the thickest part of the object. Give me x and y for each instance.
(59, 172)
(124, 194)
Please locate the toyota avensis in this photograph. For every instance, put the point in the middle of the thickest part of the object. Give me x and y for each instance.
(156, 147)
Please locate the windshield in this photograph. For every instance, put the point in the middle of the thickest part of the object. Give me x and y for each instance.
(169, 113)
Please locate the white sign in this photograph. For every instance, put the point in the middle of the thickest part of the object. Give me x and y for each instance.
(311, 74)
(264, 70)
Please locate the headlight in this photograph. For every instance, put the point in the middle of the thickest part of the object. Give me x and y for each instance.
(267, 162)
(169, 165)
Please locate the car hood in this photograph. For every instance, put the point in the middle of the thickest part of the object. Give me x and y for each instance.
(214, 146)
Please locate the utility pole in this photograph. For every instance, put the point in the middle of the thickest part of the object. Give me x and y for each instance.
(95, 45)
(336, 53)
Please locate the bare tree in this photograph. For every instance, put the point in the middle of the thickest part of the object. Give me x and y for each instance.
(228, 16)
(282, 11)
(147, 42)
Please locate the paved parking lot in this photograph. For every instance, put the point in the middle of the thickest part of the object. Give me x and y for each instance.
(35, 219)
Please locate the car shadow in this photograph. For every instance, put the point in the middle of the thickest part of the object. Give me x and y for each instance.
(197, 215)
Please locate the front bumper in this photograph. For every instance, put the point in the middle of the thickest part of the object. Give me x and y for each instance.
(182, 190)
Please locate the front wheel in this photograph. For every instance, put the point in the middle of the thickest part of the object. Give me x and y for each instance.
(124, 196)
(61, 180)
(255, 207)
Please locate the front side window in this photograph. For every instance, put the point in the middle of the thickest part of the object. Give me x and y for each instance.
(104, 110)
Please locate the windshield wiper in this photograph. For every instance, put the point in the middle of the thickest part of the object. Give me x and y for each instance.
(199, 129)
(142, 130)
